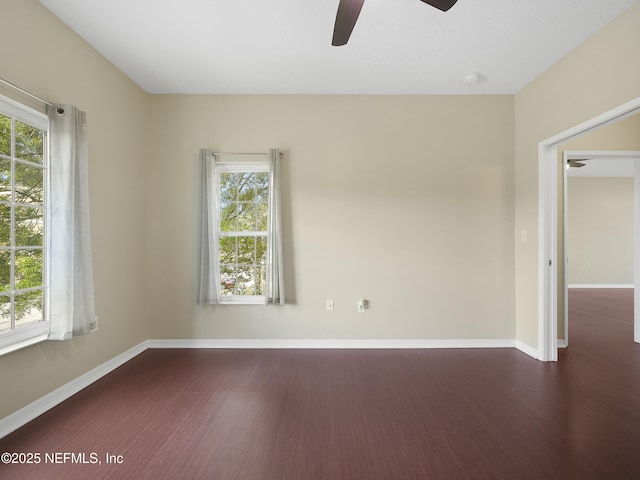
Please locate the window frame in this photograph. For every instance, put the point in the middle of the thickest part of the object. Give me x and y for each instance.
(23, 336)
(244, 166)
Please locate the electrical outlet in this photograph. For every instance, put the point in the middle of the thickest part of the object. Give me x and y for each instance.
(329, 305)
(363, 305)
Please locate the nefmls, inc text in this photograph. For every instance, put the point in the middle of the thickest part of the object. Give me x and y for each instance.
(91, 458)
(71, 457)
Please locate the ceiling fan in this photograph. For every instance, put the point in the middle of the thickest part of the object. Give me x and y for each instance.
(576, 162)
(348, 11)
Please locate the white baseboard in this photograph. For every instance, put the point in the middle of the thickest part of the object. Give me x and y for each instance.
(562, 344)
(332, 343)
(528, 349)
(601, 285)
(35, 409)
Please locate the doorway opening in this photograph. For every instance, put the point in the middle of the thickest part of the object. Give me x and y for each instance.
(548, 227)
(598, 227)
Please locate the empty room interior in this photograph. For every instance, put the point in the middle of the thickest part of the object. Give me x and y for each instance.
(391, 319)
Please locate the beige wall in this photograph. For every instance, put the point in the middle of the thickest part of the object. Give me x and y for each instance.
(405, 201)
(596, 77)
(600, 230)
(43, 56)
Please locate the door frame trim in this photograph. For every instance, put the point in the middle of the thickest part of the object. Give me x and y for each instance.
(547, 224)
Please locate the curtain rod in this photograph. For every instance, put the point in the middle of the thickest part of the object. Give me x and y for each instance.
(247, 153)
(21, 90)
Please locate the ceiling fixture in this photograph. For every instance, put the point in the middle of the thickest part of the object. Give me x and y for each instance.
(349, 10)
(472, 79)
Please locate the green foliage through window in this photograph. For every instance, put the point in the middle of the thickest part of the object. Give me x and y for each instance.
(22, 223)
(243, 214)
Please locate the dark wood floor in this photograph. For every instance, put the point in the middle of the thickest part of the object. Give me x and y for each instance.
(359, 414)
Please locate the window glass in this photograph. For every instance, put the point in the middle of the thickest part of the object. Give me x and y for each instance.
(29, 142)
(23, 214)
(29, 183)
(5, 135)
(5, 179)
(243, 211)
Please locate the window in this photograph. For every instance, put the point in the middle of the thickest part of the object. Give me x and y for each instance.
(242, 212)
(241, 249)
(23, 225)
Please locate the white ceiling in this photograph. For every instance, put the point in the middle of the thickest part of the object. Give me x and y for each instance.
(284, 46)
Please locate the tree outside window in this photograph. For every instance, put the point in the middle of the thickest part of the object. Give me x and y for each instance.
(22, 223)
(243, 210)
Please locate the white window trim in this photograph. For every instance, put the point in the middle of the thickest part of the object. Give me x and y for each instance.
(243, 300)
(13, 340)
(238, 167)
(24, 114)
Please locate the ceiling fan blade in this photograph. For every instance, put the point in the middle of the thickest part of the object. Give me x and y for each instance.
(577, 162)
(443, 5)
(346, 17)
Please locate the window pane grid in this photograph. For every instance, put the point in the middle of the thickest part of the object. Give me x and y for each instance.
(23, 175)
(242, 264)
(243, 197)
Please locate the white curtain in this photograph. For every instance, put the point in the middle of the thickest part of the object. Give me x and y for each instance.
(209, 289)
(275, 268)
(72, 306)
